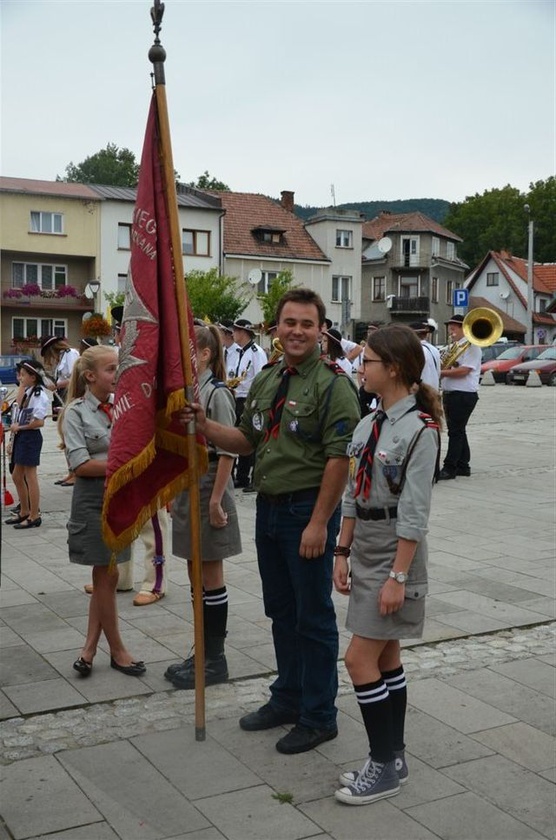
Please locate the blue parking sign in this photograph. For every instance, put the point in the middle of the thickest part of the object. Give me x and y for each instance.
(461, 297)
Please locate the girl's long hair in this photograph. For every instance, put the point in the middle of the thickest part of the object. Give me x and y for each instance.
(77, 385)
(209, 336)
(398, 345)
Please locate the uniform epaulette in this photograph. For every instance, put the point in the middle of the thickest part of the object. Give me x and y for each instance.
(332, 365)
(217, 383)
(428, 420)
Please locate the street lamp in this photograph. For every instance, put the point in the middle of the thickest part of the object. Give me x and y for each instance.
(91, 290)
(530, 289)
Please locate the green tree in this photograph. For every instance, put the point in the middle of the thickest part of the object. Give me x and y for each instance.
(497, 220)
(207, 182)
(541, 199)
(269, 300)
(113, 166)
(215, 296)
(114, 298)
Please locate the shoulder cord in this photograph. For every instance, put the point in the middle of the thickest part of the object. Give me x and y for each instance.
(397, 487)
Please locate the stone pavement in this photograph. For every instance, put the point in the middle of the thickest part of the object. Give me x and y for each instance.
(114, 757)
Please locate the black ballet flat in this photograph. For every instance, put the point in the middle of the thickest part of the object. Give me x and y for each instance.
(136, 669)
(28, 523)
(83, 667)
(16, 520)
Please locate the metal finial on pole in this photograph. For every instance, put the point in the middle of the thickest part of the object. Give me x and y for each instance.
(157, 53)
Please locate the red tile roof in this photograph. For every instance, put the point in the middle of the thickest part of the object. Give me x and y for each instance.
(510, 324)
(53, 188)
(416, 222)
(544, 274)
(246, 212)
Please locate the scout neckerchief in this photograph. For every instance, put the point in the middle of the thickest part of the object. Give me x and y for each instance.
(107, 408)
(363, 480)
(277, 407)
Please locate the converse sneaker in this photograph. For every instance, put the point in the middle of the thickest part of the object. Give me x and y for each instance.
(375, 781)
(348, 777)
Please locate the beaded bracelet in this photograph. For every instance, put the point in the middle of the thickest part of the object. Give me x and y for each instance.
(342, 551)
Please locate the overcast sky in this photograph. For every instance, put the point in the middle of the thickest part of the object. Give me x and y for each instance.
(384, 100)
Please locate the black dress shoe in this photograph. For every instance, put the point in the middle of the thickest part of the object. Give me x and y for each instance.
(216, 671)
(136, 669)
(267, 717)
(444, 475)
(465, 471)
(83, 667)
(303, 738)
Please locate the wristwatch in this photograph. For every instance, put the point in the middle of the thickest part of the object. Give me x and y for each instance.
(400, 577)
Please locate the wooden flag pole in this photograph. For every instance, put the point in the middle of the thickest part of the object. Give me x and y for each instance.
(157, 56)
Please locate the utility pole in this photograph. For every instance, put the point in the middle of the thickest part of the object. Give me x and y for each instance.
(530, 289)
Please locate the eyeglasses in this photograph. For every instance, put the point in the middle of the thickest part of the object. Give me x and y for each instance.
(365, 361)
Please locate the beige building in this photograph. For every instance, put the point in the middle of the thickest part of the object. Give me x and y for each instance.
(50, 245)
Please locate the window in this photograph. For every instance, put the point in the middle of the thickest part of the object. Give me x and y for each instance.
(449, 291)
(410, 250)
(122, 281)
(48, 277)
(38, 327)
(493, 278)
(379, 288)
(543, 303)
(341, 289)
(344, 239)
(435, 246)
(46, 222)
(124, 237)
(264, 284)
(409, 287)
(434, 290)
(451, 250)
(196, 243)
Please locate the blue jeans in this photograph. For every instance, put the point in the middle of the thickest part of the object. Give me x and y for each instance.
(298, 599)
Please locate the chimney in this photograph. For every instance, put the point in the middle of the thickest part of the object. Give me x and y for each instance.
(287, 200)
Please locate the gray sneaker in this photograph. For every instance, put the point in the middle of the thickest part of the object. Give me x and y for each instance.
(348, 777)
(375, 781)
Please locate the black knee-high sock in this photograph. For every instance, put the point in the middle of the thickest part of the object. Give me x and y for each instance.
(376, 710)
(397, 689)
(215, 615)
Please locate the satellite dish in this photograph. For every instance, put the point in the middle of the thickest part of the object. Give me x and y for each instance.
(504, 295)
(255, 276)
(384, 245)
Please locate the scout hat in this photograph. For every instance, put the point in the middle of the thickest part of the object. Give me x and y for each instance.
(89, 342)
(334, 334)
(35, 368)
(48, 342)
(419, 326)
(117, 313)
(244, 324)
(455, 319)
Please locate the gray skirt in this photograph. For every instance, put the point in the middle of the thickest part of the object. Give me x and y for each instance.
(216, 543)
(85, 542)
(372, 556)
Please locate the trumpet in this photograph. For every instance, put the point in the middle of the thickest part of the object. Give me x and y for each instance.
(481, 327)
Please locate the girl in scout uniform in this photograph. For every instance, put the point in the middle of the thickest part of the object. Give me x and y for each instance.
(393, 461)
(220, 537)
(86, 428)
(27, 445)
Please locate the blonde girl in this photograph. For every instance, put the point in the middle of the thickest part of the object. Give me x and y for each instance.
(86, 423)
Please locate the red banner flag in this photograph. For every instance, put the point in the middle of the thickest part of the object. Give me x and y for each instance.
(148, 462)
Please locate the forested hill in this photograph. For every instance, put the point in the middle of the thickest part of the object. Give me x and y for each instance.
(434, 208)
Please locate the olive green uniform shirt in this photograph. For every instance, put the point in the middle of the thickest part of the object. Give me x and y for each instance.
(319, 416)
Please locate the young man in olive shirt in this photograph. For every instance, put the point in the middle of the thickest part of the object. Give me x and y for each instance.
(300, 473)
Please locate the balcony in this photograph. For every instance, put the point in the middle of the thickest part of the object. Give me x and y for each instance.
(408, 305)
(68, 299)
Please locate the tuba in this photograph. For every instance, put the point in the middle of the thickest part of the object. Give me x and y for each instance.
(481, 326)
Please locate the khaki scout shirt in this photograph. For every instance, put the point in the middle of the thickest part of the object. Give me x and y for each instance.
(86, 431)
(319, 416)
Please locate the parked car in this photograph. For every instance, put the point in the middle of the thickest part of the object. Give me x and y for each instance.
(545, 365)
(8, 373)
(490, 353)
(510, 357)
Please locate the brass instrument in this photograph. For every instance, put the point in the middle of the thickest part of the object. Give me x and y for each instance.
(481, 327)
(277, 350)
(234, 381)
